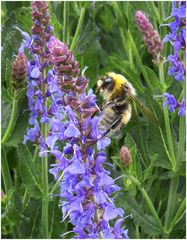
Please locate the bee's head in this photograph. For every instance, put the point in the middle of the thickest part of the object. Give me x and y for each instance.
(105, 84)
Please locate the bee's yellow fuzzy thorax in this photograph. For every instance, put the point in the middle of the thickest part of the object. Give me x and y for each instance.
(118, 79)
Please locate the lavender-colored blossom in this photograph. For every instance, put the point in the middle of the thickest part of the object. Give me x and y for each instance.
(150, 36)
(182, 109)
(86, 186)
(172, 104)
(177, 38)
(37, 82)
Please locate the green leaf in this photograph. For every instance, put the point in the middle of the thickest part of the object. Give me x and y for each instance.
(148, 171)
(28, 171)
(57, 227)
(20, 127)
(30, 228)
(6, 107)
(12, 209)
(136, 166)
(155, 145)
(23, 16)
(139, 214)
(153, 79)
(10, 44)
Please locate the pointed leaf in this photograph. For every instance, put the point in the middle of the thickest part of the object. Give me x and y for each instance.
(28, 171)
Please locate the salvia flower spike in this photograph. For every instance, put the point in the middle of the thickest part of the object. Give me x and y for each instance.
(37, 78)
(150, 36)
(86, 186)
(177, 37)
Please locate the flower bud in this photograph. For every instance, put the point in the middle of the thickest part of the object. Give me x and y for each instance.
(125, 156)
(19, 71)
(3, 196)
(150, 37)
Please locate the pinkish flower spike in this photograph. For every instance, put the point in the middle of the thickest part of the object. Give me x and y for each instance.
(18, 74)
(150, 37)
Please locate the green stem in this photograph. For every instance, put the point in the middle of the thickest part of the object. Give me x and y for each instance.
(179, 214)
(137, 232)
(148, 201)
(25, 199)
(12, 121)
(181, 144)
(165, 145)
(45, 199)
(56, 185)
(138, 58)
(75, 38)
(154, 10)
(67, 23)
(171, 201)
(64, 22)
(45, 185)
(35, 154)
(167, 122)
(5, 172)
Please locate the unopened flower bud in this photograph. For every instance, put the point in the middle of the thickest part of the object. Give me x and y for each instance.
(125, 156)
(65, 65)
(19, 71)
(150, 37)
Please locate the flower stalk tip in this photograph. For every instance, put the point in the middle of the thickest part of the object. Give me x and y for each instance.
(125, 156)
(18, 74)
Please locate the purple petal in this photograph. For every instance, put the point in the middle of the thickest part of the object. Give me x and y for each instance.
(110, 213)
(35, 72)
(75, 168)
(100, 197)
(103, 143)
(76, 206)
(51, 140)
(72, 131)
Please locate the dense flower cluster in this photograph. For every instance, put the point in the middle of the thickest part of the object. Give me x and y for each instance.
(177, 37)
(150, 36)
(36, 80)
(59, 99)
(18, 74)
(172, 104)
(86, 185)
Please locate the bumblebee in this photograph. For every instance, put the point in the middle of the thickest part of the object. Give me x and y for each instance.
(117, 92)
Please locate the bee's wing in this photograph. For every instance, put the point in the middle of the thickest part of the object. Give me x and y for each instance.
(150, 115)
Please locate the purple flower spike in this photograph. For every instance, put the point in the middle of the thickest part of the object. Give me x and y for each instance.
(177, 37)
(38, 92)
(86, 186)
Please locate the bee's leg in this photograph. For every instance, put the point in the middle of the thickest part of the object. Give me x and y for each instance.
(116, 122)
(113, 102)
(106, 105)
